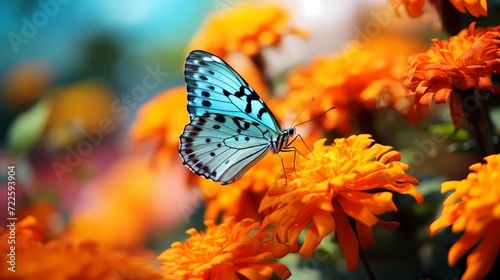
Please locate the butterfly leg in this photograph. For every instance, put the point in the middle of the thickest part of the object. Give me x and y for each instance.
(301, 139)
(295, 151)
(283, 166)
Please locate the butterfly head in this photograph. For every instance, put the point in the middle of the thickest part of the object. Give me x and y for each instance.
(290, 131)
(283, 138)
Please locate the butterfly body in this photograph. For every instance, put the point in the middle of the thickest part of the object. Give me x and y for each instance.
(231, 128)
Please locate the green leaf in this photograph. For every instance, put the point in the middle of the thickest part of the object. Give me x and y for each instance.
(447, 129)
(28, 127)
(495, 115)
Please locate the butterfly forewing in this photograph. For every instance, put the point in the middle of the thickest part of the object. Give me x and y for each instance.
(214, 87)
(231, 128)
(222, 148)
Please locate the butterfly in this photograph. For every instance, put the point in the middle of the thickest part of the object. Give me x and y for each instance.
(231, 128)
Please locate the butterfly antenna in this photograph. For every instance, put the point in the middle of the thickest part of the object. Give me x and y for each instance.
(318, 116)
(298, 135)
(312, 99)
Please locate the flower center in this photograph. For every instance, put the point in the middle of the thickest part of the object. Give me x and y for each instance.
(208, 246)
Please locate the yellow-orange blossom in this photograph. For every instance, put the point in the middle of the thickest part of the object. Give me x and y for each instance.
(332, 185)
(230, 250)
(474, 210)
(415, 8)
(465, 61)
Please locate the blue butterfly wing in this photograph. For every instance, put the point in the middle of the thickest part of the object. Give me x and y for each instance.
(214, 87)
(231, 128)
(221, 147)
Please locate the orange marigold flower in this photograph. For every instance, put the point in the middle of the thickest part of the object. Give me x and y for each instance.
(465, 61)
(231, 250)
(415, 8)
(361, 79)
(241, 30)
(475, 7)
(474, 209)
(67, 258)
(338, 182)
(160, 121)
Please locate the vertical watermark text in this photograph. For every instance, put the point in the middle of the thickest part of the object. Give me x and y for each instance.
(11, 218)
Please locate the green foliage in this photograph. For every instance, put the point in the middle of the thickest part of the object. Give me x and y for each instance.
(28, 127)
(447, 129)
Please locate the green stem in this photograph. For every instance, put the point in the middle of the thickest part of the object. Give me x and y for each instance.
(451, 18)
(477, 117)
(362, 255)
(365, 119)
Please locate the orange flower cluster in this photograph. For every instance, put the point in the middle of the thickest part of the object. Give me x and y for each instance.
(231, 250)
(465, 61)
(241, 199)
(232, 32)
(474, 209)
(89, 260)
(360, 79)
(415, 8)
(320, 193)
(160, 122)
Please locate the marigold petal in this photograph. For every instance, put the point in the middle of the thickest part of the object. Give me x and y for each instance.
(476, 8)
(281, 270)
(463, 244)
(347, 239)
(483, 257)
(240, 30)
(425, 98)
(471, 209)
(389, 224)
(442, 222)
(322, 226)
(441, 96)
(362, 214)
(225, 251)
(412, 8)
(365, 235)
(256, 272)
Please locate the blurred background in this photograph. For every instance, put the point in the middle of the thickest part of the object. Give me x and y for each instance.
(65, 67)
(73, 70)
(68, 65)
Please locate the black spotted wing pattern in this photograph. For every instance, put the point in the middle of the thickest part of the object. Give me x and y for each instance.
(230, 127)
(214, 87)
(222, 147)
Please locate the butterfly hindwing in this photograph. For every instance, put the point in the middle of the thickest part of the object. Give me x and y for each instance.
(221, 147)
(214, 87)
